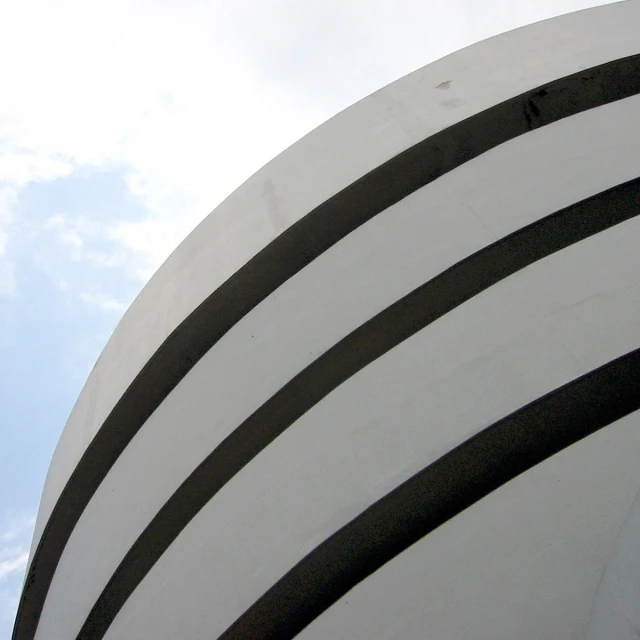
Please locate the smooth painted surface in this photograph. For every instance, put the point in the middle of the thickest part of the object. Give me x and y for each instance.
(400, 249)
(616, 612)
(525, 562)
(550, 554)
(342, 150)
(532, 332)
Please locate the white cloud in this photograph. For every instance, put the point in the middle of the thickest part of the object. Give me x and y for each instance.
(81, 257)
(12, 560)
(192, 97)
(15, 536)
(138, 86)
(71, 234)
(7, 276)
(81, 239)
(16, 528)
(103, 302)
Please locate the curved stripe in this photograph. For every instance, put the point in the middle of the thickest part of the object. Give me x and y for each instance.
(283, 258)
(439, 492)
(361, 347)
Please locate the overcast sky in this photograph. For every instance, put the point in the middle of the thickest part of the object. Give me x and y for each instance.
(122, 124)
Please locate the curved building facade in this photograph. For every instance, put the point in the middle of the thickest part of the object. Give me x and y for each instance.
(390, 388)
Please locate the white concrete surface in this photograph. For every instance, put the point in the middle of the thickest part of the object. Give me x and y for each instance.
(418, 238)
(524, 562)
(615, 612)
(549, 555)
(342, 150)
(535, 331)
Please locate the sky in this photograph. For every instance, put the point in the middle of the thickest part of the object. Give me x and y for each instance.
(123, 123)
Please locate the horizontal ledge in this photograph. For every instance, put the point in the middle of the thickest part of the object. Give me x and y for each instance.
(439, 492)
(360, 348)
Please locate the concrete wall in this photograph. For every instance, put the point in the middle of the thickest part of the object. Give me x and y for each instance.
(443, 254)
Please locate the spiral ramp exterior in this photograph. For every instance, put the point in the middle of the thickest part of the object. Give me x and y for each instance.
(390, 388)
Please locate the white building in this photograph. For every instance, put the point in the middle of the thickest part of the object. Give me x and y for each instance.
(389, 389)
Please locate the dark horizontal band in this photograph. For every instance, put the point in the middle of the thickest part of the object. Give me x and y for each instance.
(368, 342)
(283, 258)
(439, 492)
